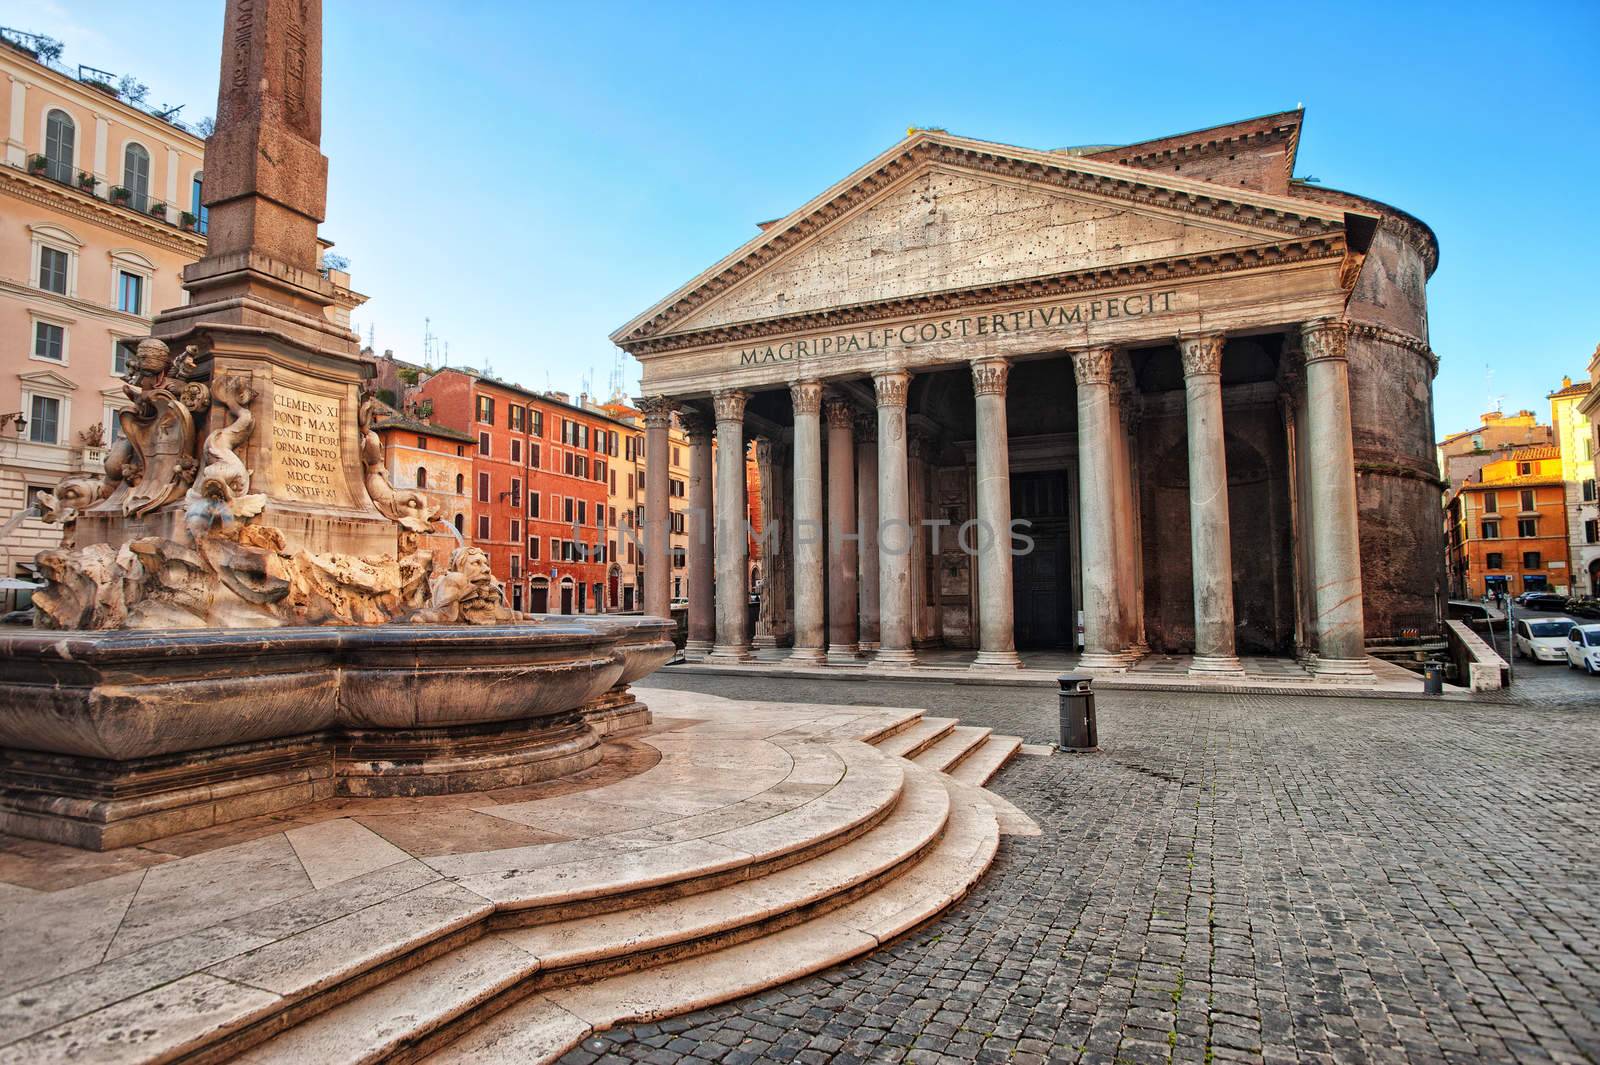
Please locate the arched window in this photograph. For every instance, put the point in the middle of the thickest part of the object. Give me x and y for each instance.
(461, 484)
(60, 135)
(136, 175)
(461, 523)
(422, 477)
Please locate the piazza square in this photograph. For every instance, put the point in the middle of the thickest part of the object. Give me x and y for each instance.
(1023, 604)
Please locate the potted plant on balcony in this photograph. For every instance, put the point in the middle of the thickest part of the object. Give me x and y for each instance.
(121, 194)
(186, 221)
(37, 163)
(159, 210)
(87, 181)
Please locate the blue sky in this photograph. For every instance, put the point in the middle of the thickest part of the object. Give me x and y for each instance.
(530, 176)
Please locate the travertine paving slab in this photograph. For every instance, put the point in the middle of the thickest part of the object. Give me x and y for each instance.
(334, 851)
(49, 933)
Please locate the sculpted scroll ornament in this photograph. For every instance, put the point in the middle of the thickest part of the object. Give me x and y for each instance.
(1202, 355)
(221, 495)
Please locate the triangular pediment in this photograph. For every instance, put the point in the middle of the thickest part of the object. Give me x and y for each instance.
(941, 214)
(47, 379)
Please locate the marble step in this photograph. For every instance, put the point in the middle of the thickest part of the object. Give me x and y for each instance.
(982, 764)
(405, 1013)
(547, 1023)
(948, 752)
(918, 738)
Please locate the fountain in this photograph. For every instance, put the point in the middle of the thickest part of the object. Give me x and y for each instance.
(240, 618)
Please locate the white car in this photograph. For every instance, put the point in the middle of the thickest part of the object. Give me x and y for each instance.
(1583, 648)
(1541, 639)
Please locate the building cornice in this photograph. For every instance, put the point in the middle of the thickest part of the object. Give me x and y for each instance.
(1227, 260)
(136, 325)
(1369, 331)
(32, 72)
(90, 208)
(1286, 132)
(1069, 173)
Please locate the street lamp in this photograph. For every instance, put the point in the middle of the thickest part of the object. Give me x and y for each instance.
(21, 422)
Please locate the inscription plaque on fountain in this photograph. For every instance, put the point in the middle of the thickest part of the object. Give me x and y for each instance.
(307, 461)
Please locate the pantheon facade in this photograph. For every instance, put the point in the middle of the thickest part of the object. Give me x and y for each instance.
(1159, 398)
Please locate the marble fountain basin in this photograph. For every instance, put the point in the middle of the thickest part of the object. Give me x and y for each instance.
(116, 737)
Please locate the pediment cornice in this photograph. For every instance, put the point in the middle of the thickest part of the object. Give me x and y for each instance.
(1270, 216)
(1270, 254)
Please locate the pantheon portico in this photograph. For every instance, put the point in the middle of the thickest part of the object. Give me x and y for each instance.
(1162, 391)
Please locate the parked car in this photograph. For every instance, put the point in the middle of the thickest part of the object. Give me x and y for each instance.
(1583, 607)
(1583, 648)
(1540, 639)
(1542, 601)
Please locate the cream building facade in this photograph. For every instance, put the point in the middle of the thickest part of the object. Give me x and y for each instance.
(1575, 437)
(86, 260)
(1204, 387)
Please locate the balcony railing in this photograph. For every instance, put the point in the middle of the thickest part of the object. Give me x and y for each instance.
(62, 173)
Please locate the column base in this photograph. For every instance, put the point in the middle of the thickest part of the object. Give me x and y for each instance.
(869, 645)
(807, 656)
(895, 658)
(697, 648)
(764, 640)
(729, 653)
(1211, 665)
(996, 660)
(1107, 661)
(844, 654)
(1342, 668)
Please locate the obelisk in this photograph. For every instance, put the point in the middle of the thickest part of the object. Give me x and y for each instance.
(258, 304)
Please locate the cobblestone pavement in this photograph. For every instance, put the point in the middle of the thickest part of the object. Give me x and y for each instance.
(1234, 878)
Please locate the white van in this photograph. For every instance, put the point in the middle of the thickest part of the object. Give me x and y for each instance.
(1541, 639)
(1583, 648)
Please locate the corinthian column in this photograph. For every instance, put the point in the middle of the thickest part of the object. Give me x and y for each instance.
(702, 523)
(1211, 546)
(807, 459)
(895, 533)
(1098, 427)
(657, 546)
(997, 642)
(1341, 628)
(867, 518)
(733, 543)
(843, 633)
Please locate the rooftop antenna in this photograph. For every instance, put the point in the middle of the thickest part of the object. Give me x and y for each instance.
(447, 353)
(372, 334)
(1497, 402)
(427, 341)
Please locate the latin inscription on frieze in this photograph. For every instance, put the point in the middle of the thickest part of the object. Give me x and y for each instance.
(306, 447)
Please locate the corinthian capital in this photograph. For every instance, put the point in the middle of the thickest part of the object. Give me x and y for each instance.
(1202, 355)
(840, 412)
(807, 397)
(696, 426)
(892, 386)
(730, 405)
(657, 411)
(1092, 366)
(1325, 338)
(989, 376)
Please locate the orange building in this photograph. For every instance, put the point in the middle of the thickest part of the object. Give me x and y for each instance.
(1506, 528)
(436, 460)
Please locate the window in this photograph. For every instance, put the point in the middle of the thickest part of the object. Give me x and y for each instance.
(44, 420)
(675, 460)
(1591, 531)
(516, 416)
(461, 523)
(53, 264)
(461, 483)
(130, 293)
(422, 477)
(1588, 490)
(582, 512)
(49, 341)
(119, 356)
(483, 444)
(566, 510)
(1524, 469)
(1491, 502)
(1532, 560)
(516, 572)
(516, 450)
(1491, 530)
(677, 521)
(676, 488)
(60, 139)
(516, 530)
(630, 486)
(538, 423)
(1527, 527)
(197, 207)
(483, 487)
(422, 443)
(483, 526)
(533, 456)
(1527, 499)
(1494, 560)
(486, 409)
(533, 504)
(516, 496)
(136, 176)
(533, 548)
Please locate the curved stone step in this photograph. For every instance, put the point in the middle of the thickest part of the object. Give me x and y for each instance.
(406, 1011)
(946, 754)
(918, 738)
(988, 759)
(548, 1023)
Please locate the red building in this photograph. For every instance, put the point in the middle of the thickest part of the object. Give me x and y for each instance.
(541, 478)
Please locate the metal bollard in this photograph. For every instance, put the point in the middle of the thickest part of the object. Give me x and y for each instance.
(1433, 678)
(1078, 731)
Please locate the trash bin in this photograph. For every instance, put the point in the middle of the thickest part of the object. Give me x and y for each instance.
(1078, 732)
(1433, 678)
